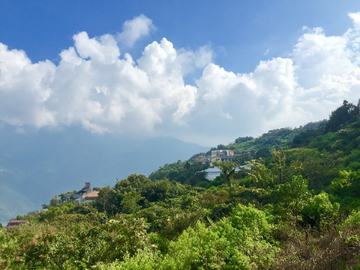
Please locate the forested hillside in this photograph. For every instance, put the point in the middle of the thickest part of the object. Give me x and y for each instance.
(182, 172)
(297, 208)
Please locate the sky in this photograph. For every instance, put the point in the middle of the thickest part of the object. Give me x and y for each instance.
(201, 71)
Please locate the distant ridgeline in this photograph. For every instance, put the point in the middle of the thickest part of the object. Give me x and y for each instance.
(297, 206)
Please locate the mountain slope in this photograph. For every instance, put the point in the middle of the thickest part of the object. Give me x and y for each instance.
(34, 166)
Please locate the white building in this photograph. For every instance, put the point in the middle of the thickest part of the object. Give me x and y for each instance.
(212, 173)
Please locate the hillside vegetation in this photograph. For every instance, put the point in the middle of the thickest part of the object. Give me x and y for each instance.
(297, 208)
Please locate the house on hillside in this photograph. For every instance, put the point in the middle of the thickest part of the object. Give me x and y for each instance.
(214, 159)
(222, 153)
(81, 192)
(84, 195)
(212, 173)
(69, 195)
(13, 223)
(88, 196)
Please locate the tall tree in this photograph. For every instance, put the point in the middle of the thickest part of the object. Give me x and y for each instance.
(228, 169)
(292, 197)
(341, 115)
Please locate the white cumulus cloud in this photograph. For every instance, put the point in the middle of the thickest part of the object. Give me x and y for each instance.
(94, 87)
(97, 87)
(135, 29)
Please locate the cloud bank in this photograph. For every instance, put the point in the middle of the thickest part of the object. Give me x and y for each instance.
(94, 85)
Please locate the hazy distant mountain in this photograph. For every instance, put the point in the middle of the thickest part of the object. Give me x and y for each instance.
(34, 166)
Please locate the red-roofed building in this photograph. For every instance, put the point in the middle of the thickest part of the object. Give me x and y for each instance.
(83, 191)
(88, 196)
(13, 223)
(69, 195)
(92, 195)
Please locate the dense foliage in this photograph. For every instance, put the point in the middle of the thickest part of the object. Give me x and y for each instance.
(297, 208)
(182, 172)
(275, 138)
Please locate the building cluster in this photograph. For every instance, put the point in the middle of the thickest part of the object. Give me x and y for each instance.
(83, 195)
(216, 155)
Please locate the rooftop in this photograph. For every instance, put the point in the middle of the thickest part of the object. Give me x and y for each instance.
(91, 194)
(13, 223)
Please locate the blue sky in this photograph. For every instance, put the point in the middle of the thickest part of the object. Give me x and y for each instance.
(201, 71)
(239, 31)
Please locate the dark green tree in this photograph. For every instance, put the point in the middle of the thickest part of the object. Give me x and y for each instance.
(243, 139)
(341, 115)
(291, 198)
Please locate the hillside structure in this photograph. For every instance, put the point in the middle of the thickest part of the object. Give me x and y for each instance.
(218, 153)
(212, 173)
(88, 196)
(83, 191)
(13, 223)
(85, 194)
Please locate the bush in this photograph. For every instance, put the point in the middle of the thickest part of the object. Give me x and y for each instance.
(320, 212)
